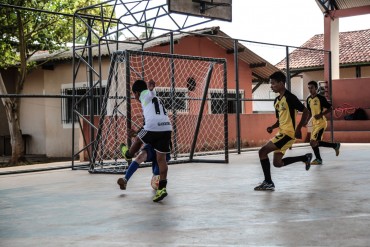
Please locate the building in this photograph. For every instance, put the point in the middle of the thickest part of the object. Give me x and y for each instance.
(47, 120)
(350, 91)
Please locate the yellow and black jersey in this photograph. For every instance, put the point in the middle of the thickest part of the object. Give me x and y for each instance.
(316, 105)
(286, 110)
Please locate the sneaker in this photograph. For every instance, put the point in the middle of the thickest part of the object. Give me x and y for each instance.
(159, 195)
(337, 149)
(266, 186)
(122, 182)
(316, 162)
(124, 150)
(308, 161)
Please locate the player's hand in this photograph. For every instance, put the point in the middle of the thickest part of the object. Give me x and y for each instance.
(151, 85)
(132, 133)
(298, 134)
(269, 130)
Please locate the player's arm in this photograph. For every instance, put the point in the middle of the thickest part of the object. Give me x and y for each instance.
(303, 122)
(309, 108)
(326, 111)
(325, 104)
(272, 127)
(296, 104)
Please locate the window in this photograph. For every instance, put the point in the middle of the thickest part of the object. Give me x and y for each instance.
(180, 100)
(83, 106)
(217, 95)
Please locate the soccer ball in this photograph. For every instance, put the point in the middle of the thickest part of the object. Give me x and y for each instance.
(155, 182)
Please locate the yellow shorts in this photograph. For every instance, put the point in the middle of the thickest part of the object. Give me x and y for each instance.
(282, 142)
(318, 131)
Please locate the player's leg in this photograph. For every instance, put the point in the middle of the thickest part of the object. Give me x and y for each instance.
(284, 142)
(151, 157)
(163, 169)
(140, 158)
(129, 153)
(334, 145)
(316, 136)
(267, 184)
(162, 147)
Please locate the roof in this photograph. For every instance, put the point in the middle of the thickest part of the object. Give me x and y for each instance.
(354, 49)
(261, 69)
(328, 5)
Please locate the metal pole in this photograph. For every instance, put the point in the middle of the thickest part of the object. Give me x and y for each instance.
(238, 135)
(91, 85)
(73, 92)
(330, 85)
(288, 70)
(172, 95)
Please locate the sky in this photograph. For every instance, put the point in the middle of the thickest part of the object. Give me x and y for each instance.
(285, 22)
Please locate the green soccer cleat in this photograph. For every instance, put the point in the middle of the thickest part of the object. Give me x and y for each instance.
(337, 149)
(124, 150)
(316, 162)
(160, 194)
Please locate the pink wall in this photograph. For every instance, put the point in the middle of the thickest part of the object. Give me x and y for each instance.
(253, 131)
(355, 92)
(200, 46)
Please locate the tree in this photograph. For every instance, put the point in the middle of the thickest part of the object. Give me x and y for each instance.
(22, 34)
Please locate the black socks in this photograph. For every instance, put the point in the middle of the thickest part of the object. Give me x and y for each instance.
(266, 169)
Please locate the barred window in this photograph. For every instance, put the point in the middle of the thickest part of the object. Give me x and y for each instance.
(83, 102)
(217, 95)
(180, 102)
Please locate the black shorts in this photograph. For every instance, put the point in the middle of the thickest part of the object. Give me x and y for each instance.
(160, 140)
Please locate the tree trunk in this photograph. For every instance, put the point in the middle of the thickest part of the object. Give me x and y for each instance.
(16, 140)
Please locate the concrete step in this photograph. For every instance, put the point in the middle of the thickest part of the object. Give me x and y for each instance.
(349, 136)
(350, 125)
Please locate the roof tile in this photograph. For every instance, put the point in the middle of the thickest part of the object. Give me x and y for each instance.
(354, 48)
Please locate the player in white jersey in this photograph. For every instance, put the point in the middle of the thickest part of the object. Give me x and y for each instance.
(157, 129)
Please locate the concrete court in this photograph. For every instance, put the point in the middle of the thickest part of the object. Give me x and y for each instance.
(208, 205)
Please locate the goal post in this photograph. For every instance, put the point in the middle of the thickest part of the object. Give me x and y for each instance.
(194, 91)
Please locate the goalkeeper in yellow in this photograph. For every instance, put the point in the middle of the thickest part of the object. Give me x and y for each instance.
(318, 107)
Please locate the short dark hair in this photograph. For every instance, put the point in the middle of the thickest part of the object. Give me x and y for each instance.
(278, 76)
(314, 83)
(139, 86)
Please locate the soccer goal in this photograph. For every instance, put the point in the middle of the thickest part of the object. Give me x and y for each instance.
(194, 92)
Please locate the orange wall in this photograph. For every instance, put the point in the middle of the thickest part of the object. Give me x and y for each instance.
(355, 92)
(200, 46)
(253, 132)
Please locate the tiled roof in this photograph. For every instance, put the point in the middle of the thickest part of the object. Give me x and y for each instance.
(354, 48)
(259, 73)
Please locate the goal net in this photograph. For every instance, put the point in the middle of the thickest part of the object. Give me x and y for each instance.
(194, 92)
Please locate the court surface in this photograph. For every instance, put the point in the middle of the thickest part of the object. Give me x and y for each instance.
(208, 205)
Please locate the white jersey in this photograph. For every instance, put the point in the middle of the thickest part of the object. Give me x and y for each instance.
(155, 115)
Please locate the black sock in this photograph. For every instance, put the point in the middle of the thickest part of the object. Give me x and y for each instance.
(162, 184)
(317, 152)
(290, 160)
(266, 169)
(327, 144)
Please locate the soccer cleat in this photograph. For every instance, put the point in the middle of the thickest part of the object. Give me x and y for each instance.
(316, 162)
(308, 161)
(124, 150)
(160, 194)
(337, 149)
(122, 182)
(266, 186)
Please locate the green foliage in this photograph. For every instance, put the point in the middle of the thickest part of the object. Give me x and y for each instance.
(30, 31)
